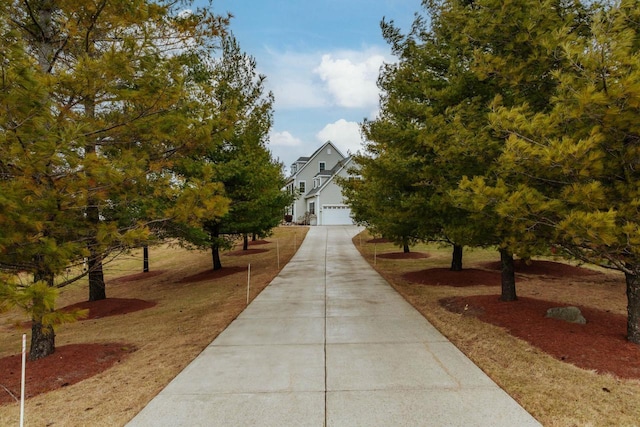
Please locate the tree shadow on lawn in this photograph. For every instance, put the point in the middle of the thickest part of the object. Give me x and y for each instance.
(544, 268)
(212, 274)
(379, 240)
(403, 255)
(247, 252)
(139, 276)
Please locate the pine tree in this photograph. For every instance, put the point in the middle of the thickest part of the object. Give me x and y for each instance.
(576, 164)
(235, 154)
(93, 138)
(512, 48)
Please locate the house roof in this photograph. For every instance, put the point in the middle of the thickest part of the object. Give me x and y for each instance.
(336, 169)
(315, 153)
(342, 163)
(313, 192)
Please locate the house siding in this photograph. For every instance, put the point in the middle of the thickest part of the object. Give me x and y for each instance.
(328, 154)
(331, 195)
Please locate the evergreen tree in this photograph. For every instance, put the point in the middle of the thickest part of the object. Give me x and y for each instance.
(510, 54)
(236, 154)
(382, 200)
(576, 164)
(96, 133)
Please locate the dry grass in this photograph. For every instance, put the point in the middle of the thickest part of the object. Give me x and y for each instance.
(186, 319)
(554, 392)
(190, 315)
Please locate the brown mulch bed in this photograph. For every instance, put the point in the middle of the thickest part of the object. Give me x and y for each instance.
(212, 274)
(402, 255)
(247, 252)
(72, 363)
(258, 242)
(600, 345)
(544, 268)
(69, 364)
(110, 307)
(140, 276)
(446, 277)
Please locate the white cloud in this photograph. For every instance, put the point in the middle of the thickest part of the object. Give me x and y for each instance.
(290, 77)
(345, 78)
(283, 139)
(345, 135)
(350, 77)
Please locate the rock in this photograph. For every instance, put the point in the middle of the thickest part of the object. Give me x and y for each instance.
(568, 314)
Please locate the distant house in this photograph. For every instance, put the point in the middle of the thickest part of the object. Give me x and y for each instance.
(320, 200)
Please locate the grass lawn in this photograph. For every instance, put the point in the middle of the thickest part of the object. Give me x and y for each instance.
(555, 392)
(192, 307)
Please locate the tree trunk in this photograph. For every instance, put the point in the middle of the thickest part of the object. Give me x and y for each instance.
(245, 242)
(456, 258)
(215, 247)
(43, 338)
(254, 237)
(97, 287)
(215, 254)
(633, 307)
(46, 49)
(405, 248)
(145, 259)
(508, 276)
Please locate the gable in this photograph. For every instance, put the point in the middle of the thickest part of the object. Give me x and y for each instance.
(327, 154)
(330, 186)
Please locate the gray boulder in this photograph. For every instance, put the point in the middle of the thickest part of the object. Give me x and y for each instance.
(568, 314)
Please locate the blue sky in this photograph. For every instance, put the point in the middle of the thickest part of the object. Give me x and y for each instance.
(321, 59)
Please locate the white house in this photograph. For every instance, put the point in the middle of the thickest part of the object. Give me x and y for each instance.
(320, 197)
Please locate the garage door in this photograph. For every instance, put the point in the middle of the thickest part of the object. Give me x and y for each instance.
(336, 215)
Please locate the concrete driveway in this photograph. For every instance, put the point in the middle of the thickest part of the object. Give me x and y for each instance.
(330, 343)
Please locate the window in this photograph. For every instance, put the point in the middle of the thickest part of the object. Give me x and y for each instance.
(303, 186)
(328, 150)
(322, 166)
(312, 208)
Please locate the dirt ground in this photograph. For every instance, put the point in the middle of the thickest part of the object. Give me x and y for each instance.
(403, 255)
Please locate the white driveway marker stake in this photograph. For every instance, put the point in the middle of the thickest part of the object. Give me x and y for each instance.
(278, 252)
(295, 241)
(24, 361)
(248, 281)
